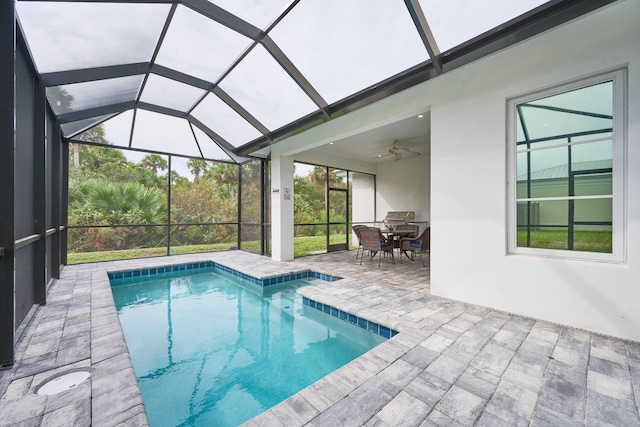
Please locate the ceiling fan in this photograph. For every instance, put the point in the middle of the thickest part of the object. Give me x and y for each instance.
(397, 152)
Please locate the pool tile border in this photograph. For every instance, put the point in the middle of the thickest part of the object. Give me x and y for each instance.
(265, 281)
(363, 323)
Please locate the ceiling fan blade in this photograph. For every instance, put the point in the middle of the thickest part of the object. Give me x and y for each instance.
(397, 152)
(409, 153)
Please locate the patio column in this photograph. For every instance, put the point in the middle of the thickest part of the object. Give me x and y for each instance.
(281, 207)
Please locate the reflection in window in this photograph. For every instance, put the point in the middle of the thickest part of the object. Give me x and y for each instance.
(564, 165)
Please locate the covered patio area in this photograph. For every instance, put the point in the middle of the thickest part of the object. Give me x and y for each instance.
(451, 363)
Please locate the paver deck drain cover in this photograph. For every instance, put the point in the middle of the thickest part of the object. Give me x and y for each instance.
(63, 382)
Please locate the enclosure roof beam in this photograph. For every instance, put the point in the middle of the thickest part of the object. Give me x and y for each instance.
(222, 143)
(89, 113)
(89, 74)
(240, 110)
(388, 87)
(420, 21)
(532, 23)
(225, 18)
(295, 74)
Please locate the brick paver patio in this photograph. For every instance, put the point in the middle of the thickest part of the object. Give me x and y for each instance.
(451, 363)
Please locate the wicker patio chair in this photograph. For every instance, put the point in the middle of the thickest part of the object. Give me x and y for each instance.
(356, 230)
(415, 245)
(374, 242)
(413, 230)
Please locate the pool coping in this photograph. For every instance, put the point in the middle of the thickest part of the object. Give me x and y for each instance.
(200, 267)
(268, 280)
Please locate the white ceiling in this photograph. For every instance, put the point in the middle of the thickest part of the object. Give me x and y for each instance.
(412, 133)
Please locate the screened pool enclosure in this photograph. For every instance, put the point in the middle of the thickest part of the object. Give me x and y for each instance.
(140, 124)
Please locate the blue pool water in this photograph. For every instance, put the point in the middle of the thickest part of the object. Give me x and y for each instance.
(213, 349)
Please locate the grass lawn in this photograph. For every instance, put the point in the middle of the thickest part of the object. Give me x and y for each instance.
(585, 241)
(302, 246)
(308, 245)
(80, 258)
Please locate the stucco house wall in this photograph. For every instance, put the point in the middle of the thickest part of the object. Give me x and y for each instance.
(469, 259)
(403, 185)
(468, 174)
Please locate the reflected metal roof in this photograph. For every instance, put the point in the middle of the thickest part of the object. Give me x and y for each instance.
(223, 79)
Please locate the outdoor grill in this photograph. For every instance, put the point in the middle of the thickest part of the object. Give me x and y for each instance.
(395, 218)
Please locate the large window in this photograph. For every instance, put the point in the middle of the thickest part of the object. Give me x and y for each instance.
(567, 170)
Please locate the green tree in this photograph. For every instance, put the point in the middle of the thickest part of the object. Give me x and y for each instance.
(102, 202)
(313, 195)
(154, 163)
(89, 162)
(177, 179)
(318, 177)
(197, 167)
(225, 177)
(128, 202)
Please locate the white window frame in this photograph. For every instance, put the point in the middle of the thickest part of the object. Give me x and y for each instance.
(619, 137)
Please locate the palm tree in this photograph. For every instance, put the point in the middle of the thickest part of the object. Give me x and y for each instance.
(123, 202)
(225, 176)
(197, 167)
(154, 162)
(318, 177)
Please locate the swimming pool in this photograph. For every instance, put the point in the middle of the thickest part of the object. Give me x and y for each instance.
(211, 348)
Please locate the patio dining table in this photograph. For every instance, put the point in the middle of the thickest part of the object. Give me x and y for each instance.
(392, 234)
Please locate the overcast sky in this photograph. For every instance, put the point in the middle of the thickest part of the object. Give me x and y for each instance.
(340, 47)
